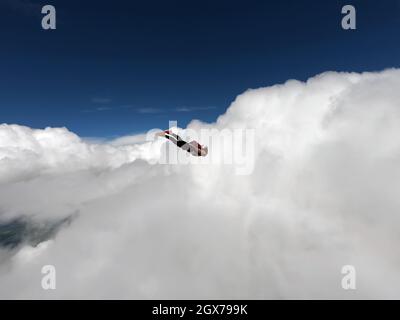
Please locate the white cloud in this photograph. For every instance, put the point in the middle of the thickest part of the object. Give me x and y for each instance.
(323, 194)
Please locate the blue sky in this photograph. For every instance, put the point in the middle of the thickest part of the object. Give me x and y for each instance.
(118, 67)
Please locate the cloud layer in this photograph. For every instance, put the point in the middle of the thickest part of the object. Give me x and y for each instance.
(323, 194)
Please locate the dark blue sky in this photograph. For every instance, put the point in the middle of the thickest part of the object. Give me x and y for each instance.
(120, 67)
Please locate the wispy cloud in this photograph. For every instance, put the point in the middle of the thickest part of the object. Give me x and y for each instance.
(98, 100)
(102, 105)
(143, 110)
(150, 110)
(99, 109)
(192, 109)
(103, 108)
(177, 109)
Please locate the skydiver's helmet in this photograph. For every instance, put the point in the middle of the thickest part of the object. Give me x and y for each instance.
(203, 151)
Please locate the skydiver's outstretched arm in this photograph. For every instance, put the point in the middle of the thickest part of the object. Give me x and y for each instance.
(177, 140)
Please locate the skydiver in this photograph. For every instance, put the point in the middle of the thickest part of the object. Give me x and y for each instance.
(192, 147)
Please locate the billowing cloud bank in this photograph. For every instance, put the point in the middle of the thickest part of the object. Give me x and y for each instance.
(324, 193)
